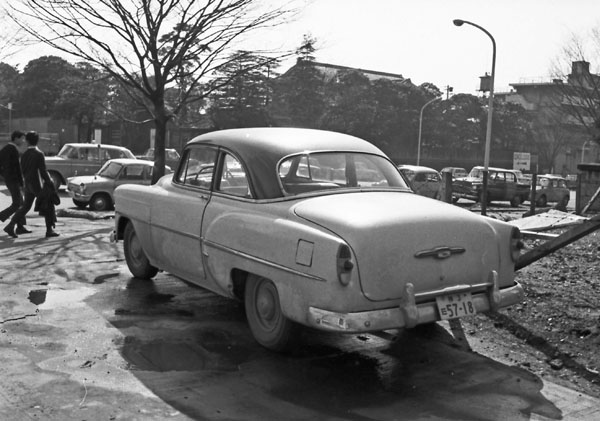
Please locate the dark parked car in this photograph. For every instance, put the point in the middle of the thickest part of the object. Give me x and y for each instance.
(551, 188)
(503, 185)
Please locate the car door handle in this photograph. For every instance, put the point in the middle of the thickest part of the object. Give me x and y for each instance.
(203, 196)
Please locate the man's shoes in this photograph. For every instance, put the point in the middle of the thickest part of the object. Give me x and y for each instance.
(51, 234)
(22, 230)
(10, 230)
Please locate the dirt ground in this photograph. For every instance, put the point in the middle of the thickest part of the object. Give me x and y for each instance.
(555, 331)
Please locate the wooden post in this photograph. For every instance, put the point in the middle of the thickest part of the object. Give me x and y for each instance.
(532, 193)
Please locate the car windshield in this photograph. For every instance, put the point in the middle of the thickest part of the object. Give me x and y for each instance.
(331, 170)
(110, 170)
(67, 151)
(476, 173)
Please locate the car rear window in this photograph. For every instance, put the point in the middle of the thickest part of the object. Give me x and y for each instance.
(332, 170)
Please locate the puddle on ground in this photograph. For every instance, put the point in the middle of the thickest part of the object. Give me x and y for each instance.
(37, 296)
(47, 299)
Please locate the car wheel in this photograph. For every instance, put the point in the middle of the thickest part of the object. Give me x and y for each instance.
(100, 202)
(136, 259)
(269, 326)
(80, 204)
(542, 201)
(563, 202)
(515, 201)
(56, 179)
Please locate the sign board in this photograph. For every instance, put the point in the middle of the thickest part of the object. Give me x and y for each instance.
(97, 136)
(521, 161)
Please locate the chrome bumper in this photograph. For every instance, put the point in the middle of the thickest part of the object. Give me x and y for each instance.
(409, 314)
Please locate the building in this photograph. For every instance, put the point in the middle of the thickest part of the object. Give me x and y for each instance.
(563, 114)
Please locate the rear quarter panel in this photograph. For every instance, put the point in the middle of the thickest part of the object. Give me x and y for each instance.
(267, 239)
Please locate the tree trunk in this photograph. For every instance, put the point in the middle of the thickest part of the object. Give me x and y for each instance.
(159, 145)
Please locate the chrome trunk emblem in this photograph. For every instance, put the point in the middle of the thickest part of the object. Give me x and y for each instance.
(440, 252)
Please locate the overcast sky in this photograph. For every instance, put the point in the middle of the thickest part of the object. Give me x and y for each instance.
(418, 40)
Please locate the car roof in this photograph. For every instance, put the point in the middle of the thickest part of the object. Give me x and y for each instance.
(261, 148)
(81, 145)
(127, 161)
(552, 176)
(497, 169)
(417, 168)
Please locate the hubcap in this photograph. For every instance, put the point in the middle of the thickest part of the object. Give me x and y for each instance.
(266, 305)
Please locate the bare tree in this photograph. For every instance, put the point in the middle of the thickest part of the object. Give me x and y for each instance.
(578, 88)
(149, 46)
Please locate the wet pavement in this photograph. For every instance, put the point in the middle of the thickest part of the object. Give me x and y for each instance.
(81, 339)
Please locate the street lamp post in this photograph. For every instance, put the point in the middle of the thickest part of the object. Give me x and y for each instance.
(488, 134)
(420, 126)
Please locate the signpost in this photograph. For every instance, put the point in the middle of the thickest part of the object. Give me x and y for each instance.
(521, 161)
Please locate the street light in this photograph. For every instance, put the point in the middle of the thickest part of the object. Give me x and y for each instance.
(488, 134)
(420, 125)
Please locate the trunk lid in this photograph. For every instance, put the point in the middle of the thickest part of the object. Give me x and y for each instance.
(403, 237)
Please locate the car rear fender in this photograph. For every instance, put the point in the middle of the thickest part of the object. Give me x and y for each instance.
(298, 256)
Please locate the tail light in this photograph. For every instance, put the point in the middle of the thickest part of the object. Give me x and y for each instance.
(344, 264)
(516, 243)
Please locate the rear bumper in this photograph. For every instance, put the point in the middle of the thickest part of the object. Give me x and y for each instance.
(408, 313)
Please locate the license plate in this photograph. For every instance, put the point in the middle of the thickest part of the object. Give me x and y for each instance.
(455, 305)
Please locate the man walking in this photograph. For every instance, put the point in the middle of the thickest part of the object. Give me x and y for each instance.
(33, 165)
(10, 168)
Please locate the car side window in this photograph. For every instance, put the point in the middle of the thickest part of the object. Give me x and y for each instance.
(92, 153)
(73, 153)
(133, 172)
(233, 179)
(197, 167)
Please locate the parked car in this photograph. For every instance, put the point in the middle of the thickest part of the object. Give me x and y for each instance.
(245, 216)
(551, 188)
(423, 180)
(503, 185)
(97, 190)
(571, 181)
(82, 159)
(171, 157)
(457, 172)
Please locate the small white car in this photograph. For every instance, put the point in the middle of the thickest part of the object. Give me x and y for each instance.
(314, 228)
(97, 190)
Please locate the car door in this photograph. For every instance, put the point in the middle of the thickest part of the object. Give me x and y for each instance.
(510, 186)
(496, 185)
(177, 213)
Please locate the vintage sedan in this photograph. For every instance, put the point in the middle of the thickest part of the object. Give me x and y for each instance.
(97, 190)
(552, 188)
(314, 228)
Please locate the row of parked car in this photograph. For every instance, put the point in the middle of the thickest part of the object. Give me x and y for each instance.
(503, 185)
(91, 172)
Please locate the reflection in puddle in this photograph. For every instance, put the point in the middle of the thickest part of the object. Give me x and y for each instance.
(204, 350)
(54, 298)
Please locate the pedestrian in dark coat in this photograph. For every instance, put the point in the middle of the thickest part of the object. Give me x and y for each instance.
(10, 168)
(35, 176)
